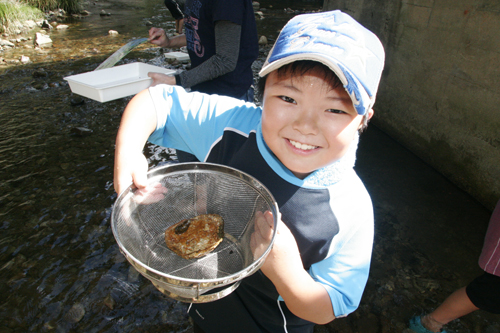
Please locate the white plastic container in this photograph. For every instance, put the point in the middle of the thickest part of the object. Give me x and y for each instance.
(116, 82)
(180, 56)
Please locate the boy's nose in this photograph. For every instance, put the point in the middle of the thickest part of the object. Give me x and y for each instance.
(306, 123)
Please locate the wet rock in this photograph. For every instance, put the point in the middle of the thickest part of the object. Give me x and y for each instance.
(255, 5)
(30, 24)
(85, 13)
(77, 100)
(62, 27)
(24, 59)
(43, 40)
(259, 15)
(113, 32)
(46, 25)
(75, 314)
(104, 13)
(38, 73)
(6, 43)
(262, 40)
(81, 131)
(109, 301)
(40, 85)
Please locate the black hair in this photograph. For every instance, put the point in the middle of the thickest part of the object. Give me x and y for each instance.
(301, 67)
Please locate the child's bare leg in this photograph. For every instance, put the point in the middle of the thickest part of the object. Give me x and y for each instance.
(455, 306)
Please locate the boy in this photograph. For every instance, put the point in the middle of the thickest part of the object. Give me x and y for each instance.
(319, 85)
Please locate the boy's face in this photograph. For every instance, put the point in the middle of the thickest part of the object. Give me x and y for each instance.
(306, 123)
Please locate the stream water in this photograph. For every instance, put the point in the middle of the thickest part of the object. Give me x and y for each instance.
(60, 267)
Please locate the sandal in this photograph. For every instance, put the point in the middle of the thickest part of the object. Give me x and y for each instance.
(417, 327)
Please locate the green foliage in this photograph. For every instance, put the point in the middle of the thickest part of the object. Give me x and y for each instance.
(12, 12)
(70, 6)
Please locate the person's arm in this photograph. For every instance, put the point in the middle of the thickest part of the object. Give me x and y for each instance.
(138, 122)
(303, 296)
(159, 37)
(227, 49)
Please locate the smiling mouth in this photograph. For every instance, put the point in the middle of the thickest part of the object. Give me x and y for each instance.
(302, 146)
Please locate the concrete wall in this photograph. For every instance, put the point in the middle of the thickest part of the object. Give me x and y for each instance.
(440, 91)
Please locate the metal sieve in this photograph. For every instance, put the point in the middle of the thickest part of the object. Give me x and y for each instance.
(193, 189)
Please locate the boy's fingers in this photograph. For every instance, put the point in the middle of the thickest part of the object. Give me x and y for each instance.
(139, 172)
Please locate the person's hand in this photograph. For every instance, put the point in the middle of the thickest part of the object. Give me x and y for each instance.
(284, 258)
(159, 78)
(263, 233)
(128, 170)
(158, 37)
(150, 194)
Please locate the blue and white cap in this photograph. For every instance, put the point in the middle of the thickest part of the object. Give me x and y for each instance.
(338, 41)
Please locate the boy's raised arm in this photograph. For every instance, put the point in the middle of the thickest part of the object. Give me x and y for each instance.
(137, 124)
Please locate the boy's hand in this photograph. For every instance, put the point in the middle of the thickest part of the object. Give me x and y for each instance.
(159, 37)
(284, 256)
(128, 170)
(263, 233)
(150, 194)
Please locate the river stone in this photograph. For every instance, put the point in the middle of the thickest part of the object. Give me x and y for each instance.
(30, 24)
(75, 314)
(43, 40)
(4, 42)
(37, 73)
(62, 27)
(81, 131)
(46, 25)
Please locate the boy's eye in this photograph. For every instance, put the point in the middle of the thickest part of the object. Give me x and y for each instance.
(336, 111)
(288, 99)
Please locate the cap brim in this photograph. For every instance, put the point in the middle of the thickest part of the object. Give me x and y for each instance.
(330, 63)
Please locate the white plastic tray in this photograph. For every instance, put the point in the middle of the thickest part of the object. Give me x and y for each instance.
(180, 56)
(116, 82)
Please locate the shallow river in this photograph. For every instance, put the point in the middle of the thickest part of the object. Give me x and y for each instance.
(60, 267)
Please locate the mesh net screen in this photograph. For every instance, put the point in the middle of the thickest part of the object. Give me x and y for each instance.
(140, 228)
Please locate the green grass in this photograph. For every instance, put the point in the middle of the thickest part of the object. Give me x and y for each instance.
(12, 13)
(70, 6)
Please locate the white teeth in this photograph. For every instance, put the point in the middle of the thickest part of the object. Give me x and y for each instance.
(302, 146)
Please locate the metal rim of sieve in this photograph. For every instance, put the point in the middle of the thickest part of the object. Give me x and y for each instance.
(200, 284)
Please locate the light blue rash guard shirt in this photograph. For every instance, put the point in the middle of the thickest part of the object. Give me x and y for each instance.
(329, 212)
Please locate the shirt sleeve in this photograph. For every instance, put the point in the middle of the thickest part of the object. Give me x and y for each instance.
(344, 272)
(194, 122)
(227, 49)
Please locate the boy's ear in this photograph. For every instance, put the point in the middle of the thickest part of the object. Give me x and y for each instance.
(370, 113)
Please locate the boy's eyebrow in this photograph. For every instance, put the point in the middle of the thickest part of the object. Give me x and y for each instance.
(339, 98)
(286, 84)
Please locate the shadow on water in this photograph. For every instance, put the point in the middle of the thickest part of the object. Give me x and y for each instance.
(60, 267)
